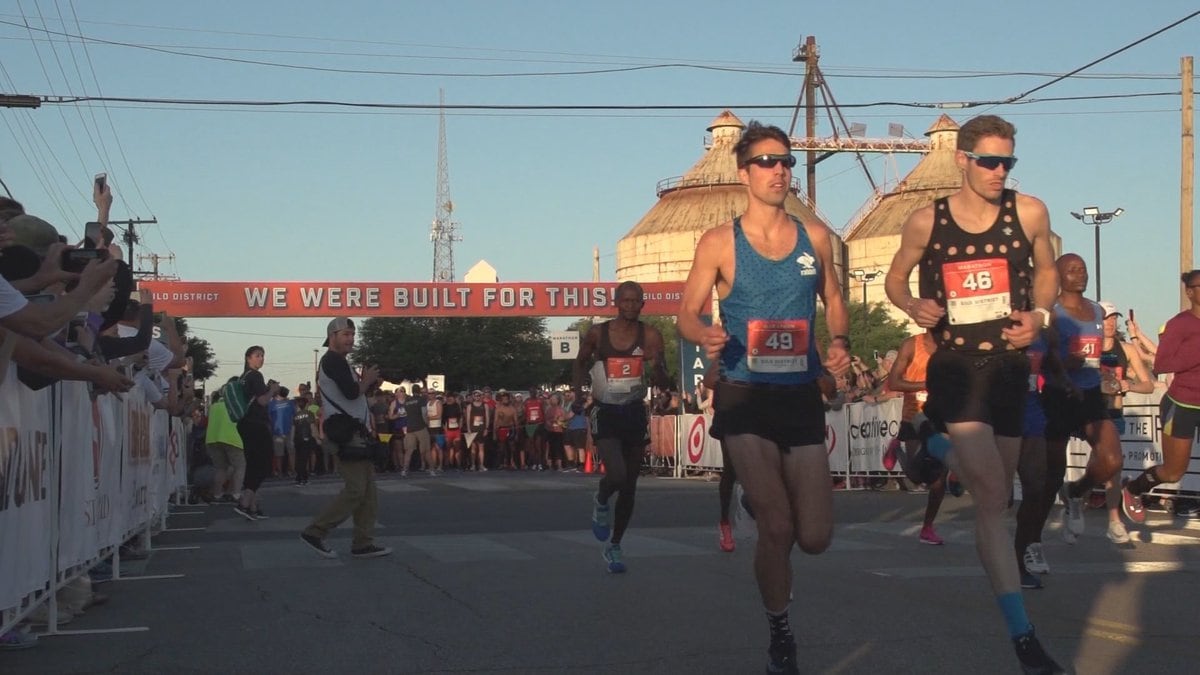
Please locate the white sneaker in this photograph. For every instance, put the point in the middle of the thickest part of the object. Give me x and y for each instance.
(1117, 533)
(1067, 535)
(1035, 562)
(1073, 510)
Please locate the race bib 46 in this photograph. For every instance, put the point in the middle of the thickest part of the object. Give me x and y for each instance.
(977, 290)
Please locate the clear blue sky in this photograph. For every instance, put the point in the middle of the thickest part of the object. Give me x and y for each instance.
(322, 193)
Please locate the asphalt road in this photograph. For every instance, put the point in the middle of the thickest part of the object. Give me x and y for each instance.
(499, 573)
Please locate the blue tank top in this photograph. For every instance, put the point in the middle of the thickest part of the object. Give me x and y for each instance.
(1082, 338)
(769, 314)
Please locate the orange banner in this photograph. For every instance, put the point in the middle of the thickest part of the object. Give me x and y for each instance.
(324, 298)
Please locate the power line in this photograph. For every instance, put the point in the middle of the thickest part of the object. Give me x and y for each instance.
(1107, 56)
(405, 73)
(575, 107)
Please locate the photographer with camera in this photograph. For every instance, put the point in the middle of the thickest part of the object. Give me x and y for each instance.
(347, 425)
(34, 245)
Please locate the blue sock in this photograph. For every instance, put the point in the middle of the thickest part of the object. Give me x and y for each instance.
(938, 446)
(1012, 606)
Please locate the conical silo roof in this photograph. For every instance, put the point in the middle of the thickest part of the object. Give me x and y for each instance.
(935, 176)
(660, 247)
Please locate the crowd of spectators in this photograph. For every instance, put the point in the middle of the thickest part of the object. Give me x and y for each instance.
(69, 311)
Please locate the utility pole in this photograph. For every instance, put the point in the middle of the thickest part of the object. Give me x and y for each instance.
(154, 258)
(809, 54)
(1187, 177)
(130, 236)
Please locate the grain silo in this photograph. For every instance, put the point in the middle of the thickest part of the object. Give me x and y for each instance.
(661, 246)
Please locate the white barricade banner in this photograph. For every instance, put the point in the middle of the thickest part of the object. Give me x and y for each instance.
(136, 472)
(26, 488)
(91, 475)
(837, 440)
(164, 439)
(698, 449)
(872, 426)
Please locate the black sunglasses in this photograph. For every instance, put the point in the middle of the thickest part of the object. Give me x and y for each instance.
(990, 162)
(769, 161)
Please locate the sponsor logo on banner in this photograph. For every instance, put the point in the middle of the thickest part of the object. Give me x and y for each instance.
(695, 439)
(830, 439)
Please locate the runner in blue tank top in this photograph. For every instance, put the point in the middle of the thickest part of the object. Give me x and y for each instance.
(768, 269)
(987, 282)
(1081, 412)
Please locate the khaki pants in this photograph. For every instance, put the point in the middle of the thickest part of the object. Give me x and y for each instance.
(358, 498)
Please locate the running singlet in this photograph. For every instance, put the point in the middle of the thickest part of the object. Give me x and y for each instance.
(477, 417)
(978, 278)
(769, 314)
(1036, 353)
(451, 416)
(1083, 339)
(914, 401)
(533, 411)
(619, 376)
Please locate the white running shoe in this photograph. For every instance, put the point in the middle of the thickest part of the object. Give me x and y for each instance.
(1035, 562)
(1117, 533)
(1073, 508)
(1067, 535)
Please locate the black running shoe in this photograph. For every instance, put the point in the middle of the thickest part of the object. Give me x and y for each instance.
(1034, 659)
(781, 658)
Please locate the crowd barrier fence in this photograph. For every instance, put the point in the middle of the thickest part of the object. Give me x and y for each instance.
(79, 475)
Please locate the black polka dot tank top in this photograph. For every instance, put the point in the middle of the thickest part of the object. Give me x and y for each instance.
(978, 278)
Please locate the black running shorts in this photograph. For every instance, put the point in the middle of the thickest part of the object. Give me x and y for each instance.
(1066, 415)
(973, 388)
(790, 416)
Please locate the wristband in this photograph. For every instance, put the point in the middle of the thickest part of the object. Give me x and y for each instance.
(845, 340)
(1045, 315)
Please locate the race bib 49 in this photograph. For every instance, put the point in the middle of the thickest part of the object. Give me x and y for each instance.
(779, 346)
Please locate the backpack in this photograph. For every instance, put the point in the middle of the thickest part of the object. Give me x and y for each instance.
(233, 393)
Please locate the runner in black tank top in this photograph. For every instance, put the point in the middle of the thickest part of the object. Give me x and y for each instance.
(619, 420)
(987, 281)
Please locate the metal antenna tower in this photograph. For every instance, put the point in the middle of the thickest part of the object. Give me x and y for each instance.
(444, 231)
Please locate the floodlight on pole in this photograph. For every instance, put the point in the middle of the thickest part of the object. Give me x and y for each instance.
(1095, 217)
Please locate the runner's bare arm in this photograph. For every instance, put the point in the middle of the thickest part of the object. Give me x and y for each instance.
(583, 361)
(914, 236)
(837, 317)
(655, 357)
(1036, 222)
(895, 378)
(697, 292)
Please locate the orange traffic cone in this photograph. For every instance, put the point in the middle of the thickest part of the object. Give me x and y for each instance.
(587, 467)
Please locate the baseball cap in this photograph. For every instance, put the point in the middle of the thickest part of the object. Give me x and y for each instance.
(340, 323)
(32, 233)
(1109, 309)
